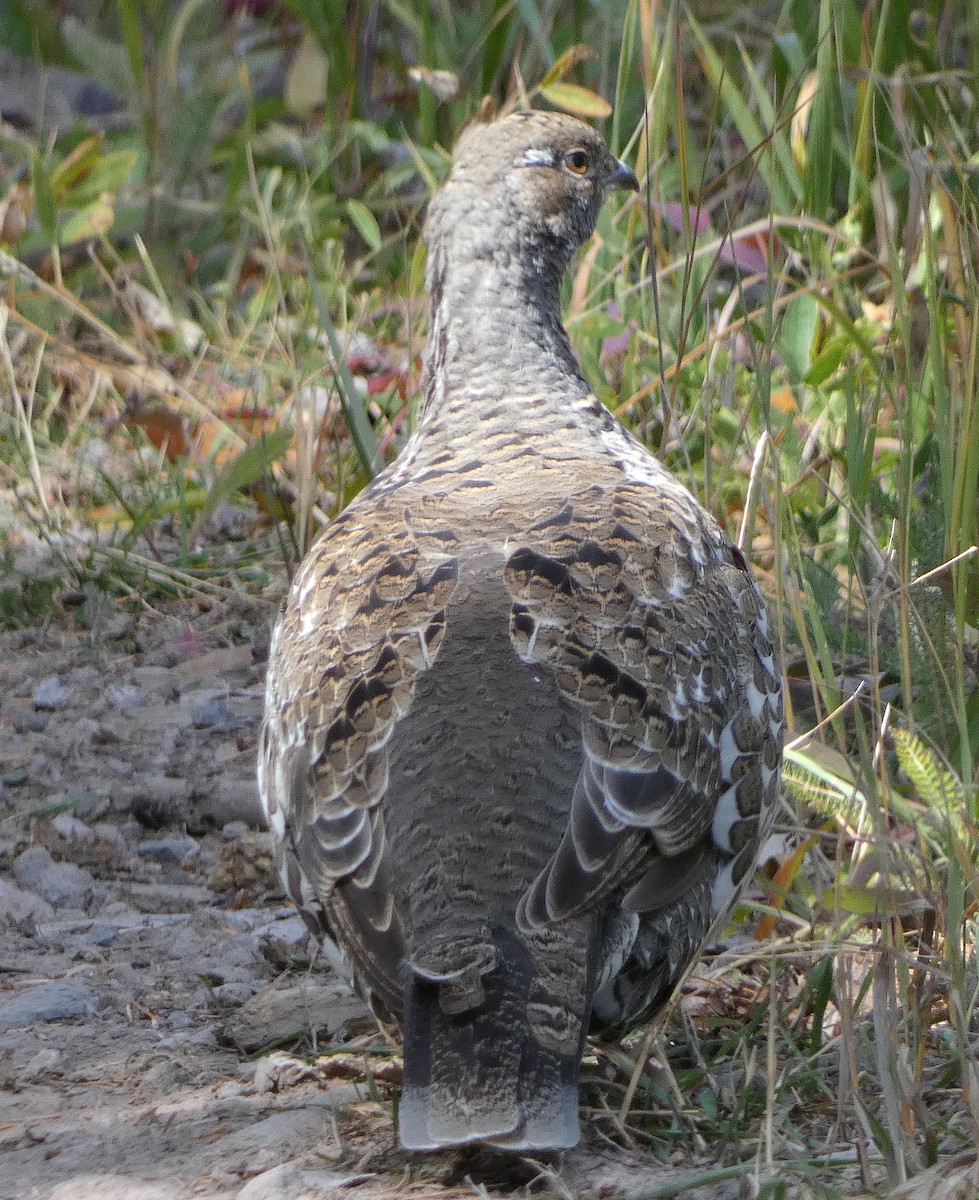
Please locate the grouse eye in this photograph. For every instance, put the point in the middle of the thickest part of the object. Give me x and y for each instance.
(576, 162)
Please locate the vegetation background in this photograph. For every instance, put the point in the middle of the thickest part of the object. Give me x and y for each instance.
(211, 315)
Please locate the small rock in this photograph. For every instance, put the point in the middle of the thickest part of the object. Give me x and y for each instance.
(125, 696)
(158, 681)
(40, 1065)
(103, 935)
(230, 800)
(71, 829)
(278, 1072)
(62, 884)
(109, 1185)
(17, 905)
(179, 1019)
(92, 806)
(268, 1142)
(118, 766)
(109, 833)
(51, 695)
(280, 1183)
(284, 1182)
(27, 720)
(215, 662)
(285, 1010)
(158, 800)
(118, 626)
(47, 1002)
(233, 830)
(234, 993)
(214, 714)
(165, 1076)
(179, 850)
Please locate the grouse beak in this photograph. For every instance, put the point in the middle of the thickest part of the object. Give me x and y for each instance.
(622, 177)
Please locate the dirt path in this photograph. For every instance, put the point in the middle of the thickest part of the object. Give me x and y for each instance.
(145, 955)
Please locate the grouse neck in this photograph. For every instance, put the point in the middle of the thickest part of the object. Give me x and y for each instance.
(496, 339)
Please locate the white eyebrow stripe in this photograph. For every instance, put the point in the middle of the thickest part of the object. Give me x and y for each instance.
(536, 158)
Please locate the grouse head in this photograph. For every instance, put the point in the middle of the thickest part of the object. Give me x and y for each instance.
(530, 185)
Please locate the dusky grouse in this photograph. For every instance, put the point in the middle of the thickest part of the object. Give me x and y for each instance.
(523, 720)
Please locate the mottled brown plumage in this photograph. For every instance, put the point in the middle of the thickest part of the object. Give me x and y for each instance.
(523, 720)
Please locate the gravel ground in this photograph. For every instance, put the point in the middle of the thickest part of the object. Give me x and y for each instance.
(146, 957)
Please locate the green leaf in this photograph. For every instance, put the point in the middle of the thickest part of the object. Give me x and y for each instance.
(864, 901)
(578, 100)
(568, 60)
(44, 202)
(365, 223)
(819, 169)
(416, 271)
(246, 468)
(99, 56)
(73, 170)
(132, 35)
(828, 361)
(92, 221)
(935, 785)
(796, 336)
(107, 176)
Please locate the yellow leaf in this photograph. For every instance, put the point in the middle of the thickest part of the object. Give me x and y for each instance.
(783, 400)
(306, 78)
(67, 174)
(90, 222)
(569, 59)
(800, 119)
(782, 881)
(577, 100)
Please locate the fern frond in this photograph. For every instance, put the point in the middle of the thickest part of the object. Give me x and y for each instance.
(936, 785)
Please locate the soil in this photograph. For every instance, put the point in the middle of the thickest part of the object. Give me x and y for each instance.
(149, 966)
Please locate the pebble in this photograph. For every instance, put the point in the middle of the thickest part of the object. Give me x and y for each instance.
(179, 850)
(166, 1076)
(110, 1185)
(119, 625)
(232, 1090)
(233, 830)
(93, 806)
(27, 720)
(125, 696)
(62, 884)
(234, 993)
(156, 680)
(51, 695)
(284, 1182)
(214, 714)
(47, 1002)
(71, 829)
(288, 1182)
(268, 1142)
(279, 1071)
(231, 800)
(40, 1065)
(17, 905)
(111, 834)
